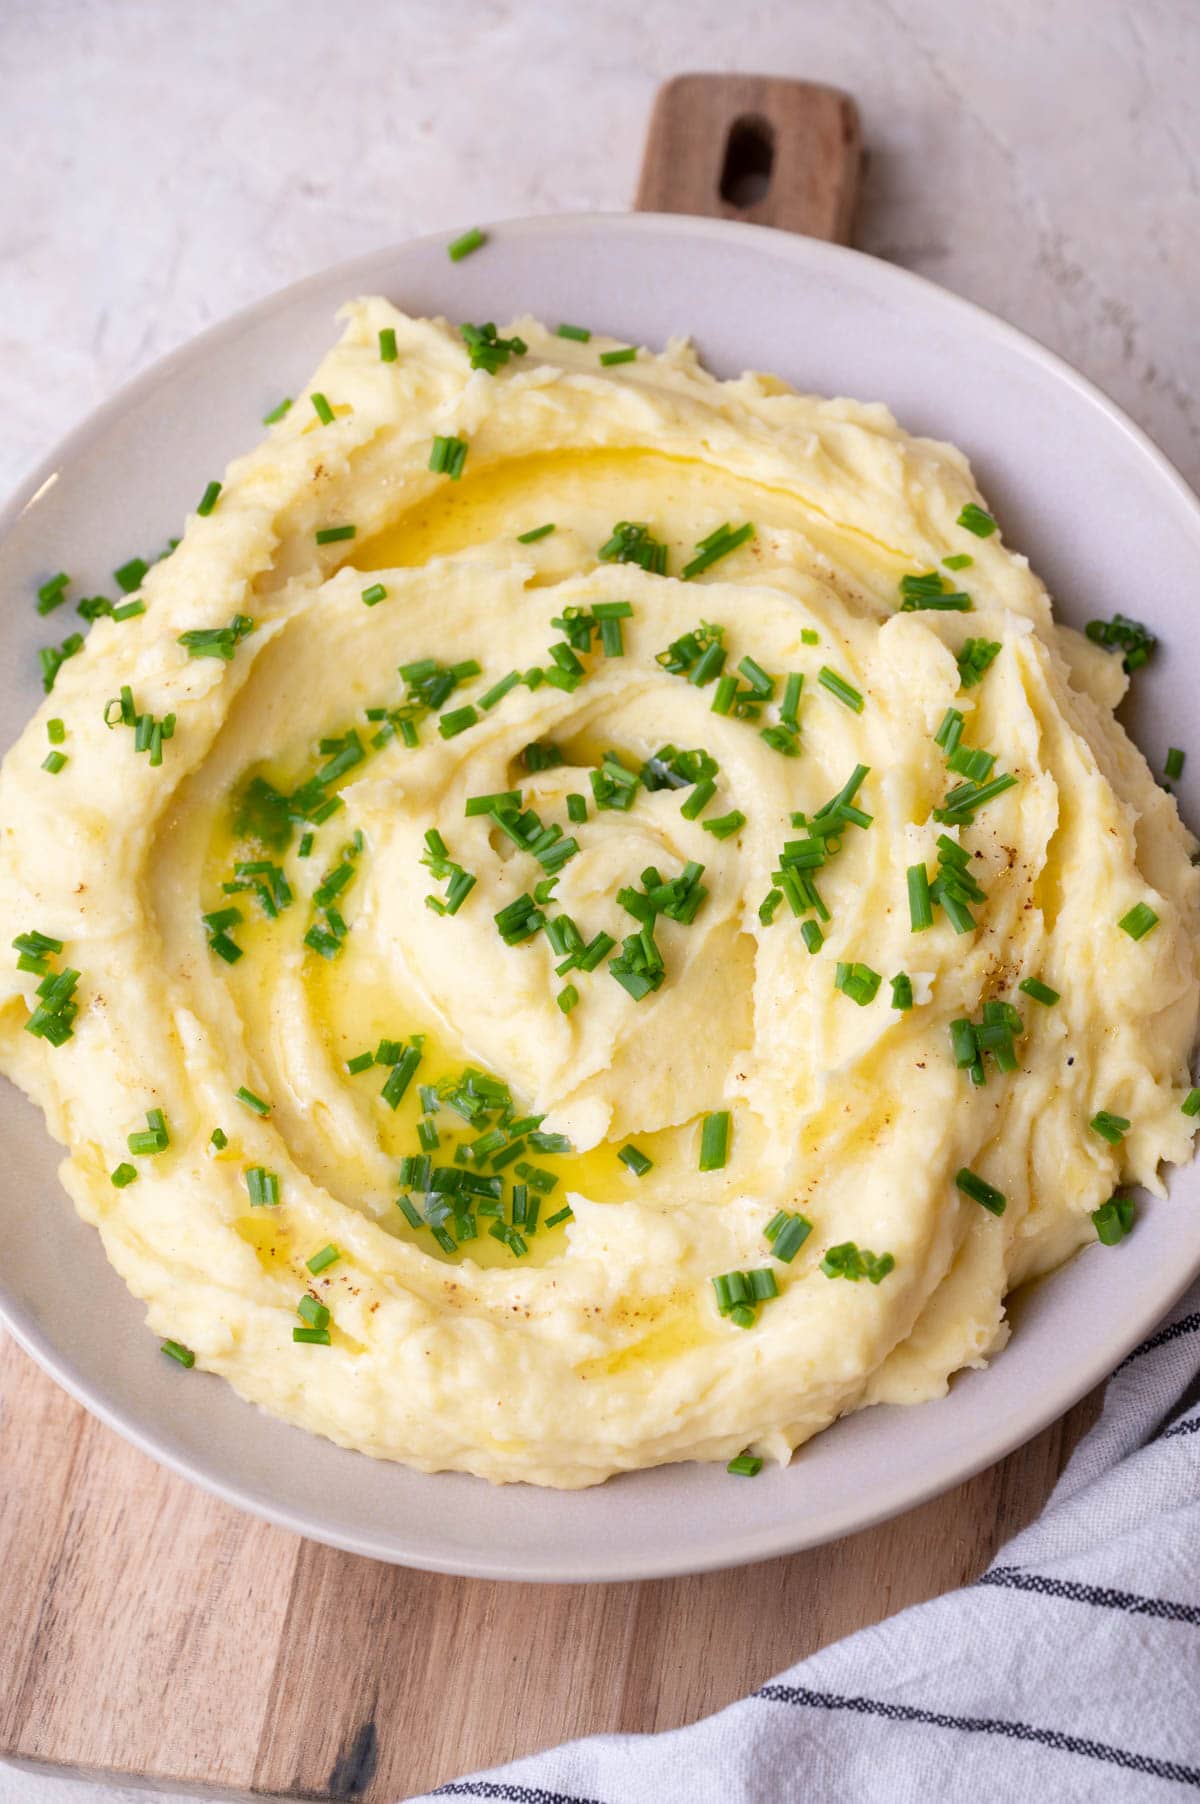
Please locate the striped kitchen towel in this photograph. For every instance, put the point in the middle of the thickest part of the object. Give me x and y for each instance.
(1070, 1670)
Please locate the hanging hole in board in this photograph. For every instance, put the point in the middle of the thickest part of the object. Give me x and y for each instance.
(749, 160)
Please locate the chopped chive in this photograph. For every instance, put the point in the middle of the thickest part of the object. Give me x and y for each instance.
(787, 1231)
(1114, 1219)
(153, 1138)
(304, 849)
(131, 575)
(322, 409)
(327, 1256)
(456, 721)
(499, 690)
(580, 334)
(850, 1261)
(980, 1192)
(332, 535)
(714, 1141)
(54, 762)
(411, 1215)
(717, 545)
(1122, 634)
(566, 1213)
(977, 521)
(768, 905)
(312, 1337)
(812, 936)
(636, 1160)
(253, 1102)
(577, 808)
(857, 981)
(262, 1186)
(961, 560)
(789, 706)
(567, 997)
(401, 1076)
(209, 499)
(1174, 764)
(920, 904)
(975, 659)
(722, 826)
(1041, 992)
(902, 991)
(462, 247)
(492, 803)
(809, 637)
(950, 731)
(746, 1465)
(1110, 1127)
(534, 534)
(315, 1313)
(447, 456)
(219, 1138)
(627, 355)
(123, 1175)
(1191, 1103)
(1139, 921)
(838, 686)
(387, 344)
(53, 593)
(176, 1350)
(277, 413)
(375, 594)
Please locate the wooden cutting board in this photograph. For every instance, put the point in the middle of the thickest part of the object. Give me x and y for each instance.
(150, 1633)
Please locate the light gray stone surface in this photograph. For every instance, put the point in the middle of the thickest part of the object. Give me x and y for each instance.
(166, 163)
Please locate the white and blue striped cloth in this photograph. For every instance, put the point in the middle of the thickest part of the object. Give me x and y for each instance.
(1070, 1670)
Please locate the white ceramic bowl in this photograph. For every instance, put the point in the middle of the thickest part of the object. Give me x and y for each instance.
(1106, 522)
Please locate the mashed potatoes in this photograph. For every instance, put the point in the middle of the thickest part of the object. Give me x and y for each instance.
(551, 874)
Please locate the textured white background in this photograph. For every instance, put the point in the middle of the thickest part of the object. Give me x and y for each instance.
(167, 161)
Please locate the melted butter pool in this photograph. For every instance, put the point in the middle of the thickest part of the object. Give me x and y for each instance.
(590, 490)
(354, 1004)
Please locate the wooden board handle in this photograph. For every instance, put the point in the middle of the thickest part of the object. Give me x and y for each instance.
(780, 153)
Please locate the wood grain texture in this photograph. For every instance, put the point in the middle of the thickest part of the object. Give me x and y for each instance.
(779, 153)
(151, 1632)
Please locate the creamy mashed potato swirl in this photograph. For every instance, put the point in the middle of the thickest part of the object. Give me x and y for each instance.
(597, 1343)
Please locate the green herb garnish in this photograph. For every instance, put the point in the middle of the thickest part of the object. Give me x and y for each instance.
(462, 247)
(787, 1232)
(717, 545)
(1114, 1219)
(849, 1261)
(1110, 1127)
(977, 521)
(980, 1192)
(1140, 921)
(839, 687)
(714, 1141)
(262, 1186)
(486, 351)
(1039, 991)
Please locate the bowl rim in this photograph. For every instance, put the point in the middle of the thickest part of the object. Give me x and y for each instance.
(727, 1548)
